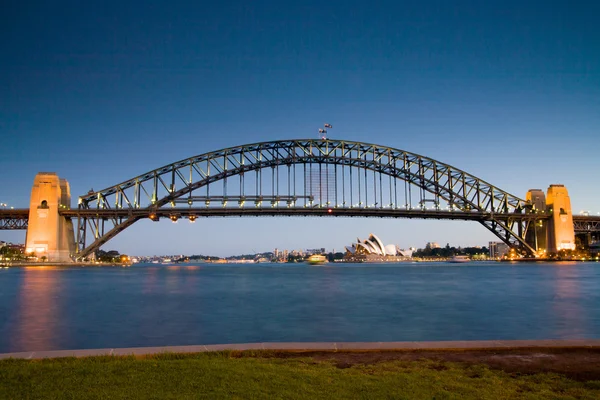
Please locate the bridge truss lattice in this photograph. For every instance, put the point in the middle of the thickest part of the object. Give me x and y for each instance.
(320, 177)
(14, 219)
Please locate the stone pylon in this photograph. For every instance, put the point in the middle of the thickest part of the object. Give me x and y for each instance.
(49, 234)
(561, 233)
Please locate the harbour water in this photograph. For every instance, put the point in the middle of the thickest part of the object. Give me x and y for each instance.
(52, 308)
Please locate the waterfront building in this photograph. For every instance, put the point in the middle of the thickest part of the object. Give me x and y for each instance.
(498, 249)
(315, 251)
(373, 250)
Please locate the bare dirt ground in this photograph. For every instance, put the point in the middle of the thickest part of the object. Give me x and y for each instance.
(582, 364)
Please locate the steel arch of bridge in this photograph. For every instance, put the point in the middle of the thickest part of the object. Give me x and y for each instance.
(304, 177)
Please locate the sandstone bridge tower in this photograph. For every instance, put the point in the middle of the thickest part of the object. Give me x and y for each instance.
(556, 233)
(49, 234)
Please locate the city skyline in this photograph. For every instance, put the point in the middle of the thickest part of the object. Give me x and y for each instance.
(507, 92)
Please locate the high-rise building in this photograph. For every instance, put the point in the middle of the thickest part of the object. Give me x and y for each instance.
(498, 249)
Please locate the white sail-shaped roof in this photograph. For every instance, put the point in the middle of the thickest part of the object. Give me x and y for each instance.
(379, 244)
(373, 246)
(405, 253)
(390, 250)
(362, 245)
(367, 245)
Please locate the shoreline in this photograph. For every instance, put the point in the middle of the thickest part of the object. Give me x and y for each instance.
(325, 347)
(94, 264)
(63, 264)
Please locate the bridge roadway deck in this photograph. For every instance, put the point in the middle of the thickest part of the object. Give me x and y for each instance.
(18, 218)
(283, 211)
(318, 346)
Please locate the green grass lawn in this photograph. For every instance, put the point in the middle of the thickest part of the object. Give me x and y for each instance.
(255, 375)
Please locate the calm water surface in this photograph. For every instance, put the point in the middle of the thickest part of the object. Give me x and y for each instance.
(47, 308)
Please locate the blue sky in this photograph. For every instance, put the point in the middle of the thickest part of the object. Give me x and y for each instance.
(507, 91)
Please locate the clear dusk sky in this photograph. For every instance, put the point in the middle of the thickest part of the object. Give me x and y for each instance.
(101, 91)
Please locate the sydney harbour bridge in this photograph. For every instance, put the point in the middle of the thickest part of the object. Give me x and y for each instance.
(307, 177)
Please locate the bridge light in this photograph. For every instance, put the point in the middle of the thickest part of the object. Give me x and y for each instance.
(192, 218)
(153, 217)
(190, 202)
(173, 218)
(329, 210)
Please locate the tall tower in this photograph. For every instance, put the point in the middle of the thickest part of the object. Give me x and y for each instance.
(49, 234)
(561, 233)
(537, 235)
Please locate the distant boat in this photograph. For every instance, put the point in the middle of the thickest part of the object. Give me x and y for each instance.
(316, 259)
(459, 259)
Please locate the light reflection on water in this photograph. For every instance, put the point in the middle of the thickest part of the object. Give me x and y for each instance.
(44, 308)
(38, 305)
(566, 304)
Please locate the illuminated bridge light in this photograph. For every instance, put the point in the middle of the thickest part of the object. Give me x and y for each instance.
(173, 218)
(153, 217)
(192, 218)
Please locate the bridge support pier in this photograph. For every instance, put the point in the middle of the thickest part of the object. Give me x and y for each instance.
(49, 234)
(561, 233)
(557, 233)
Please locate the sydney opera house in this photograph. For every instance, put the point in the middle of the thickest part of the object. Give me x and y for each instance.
(373, 250)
